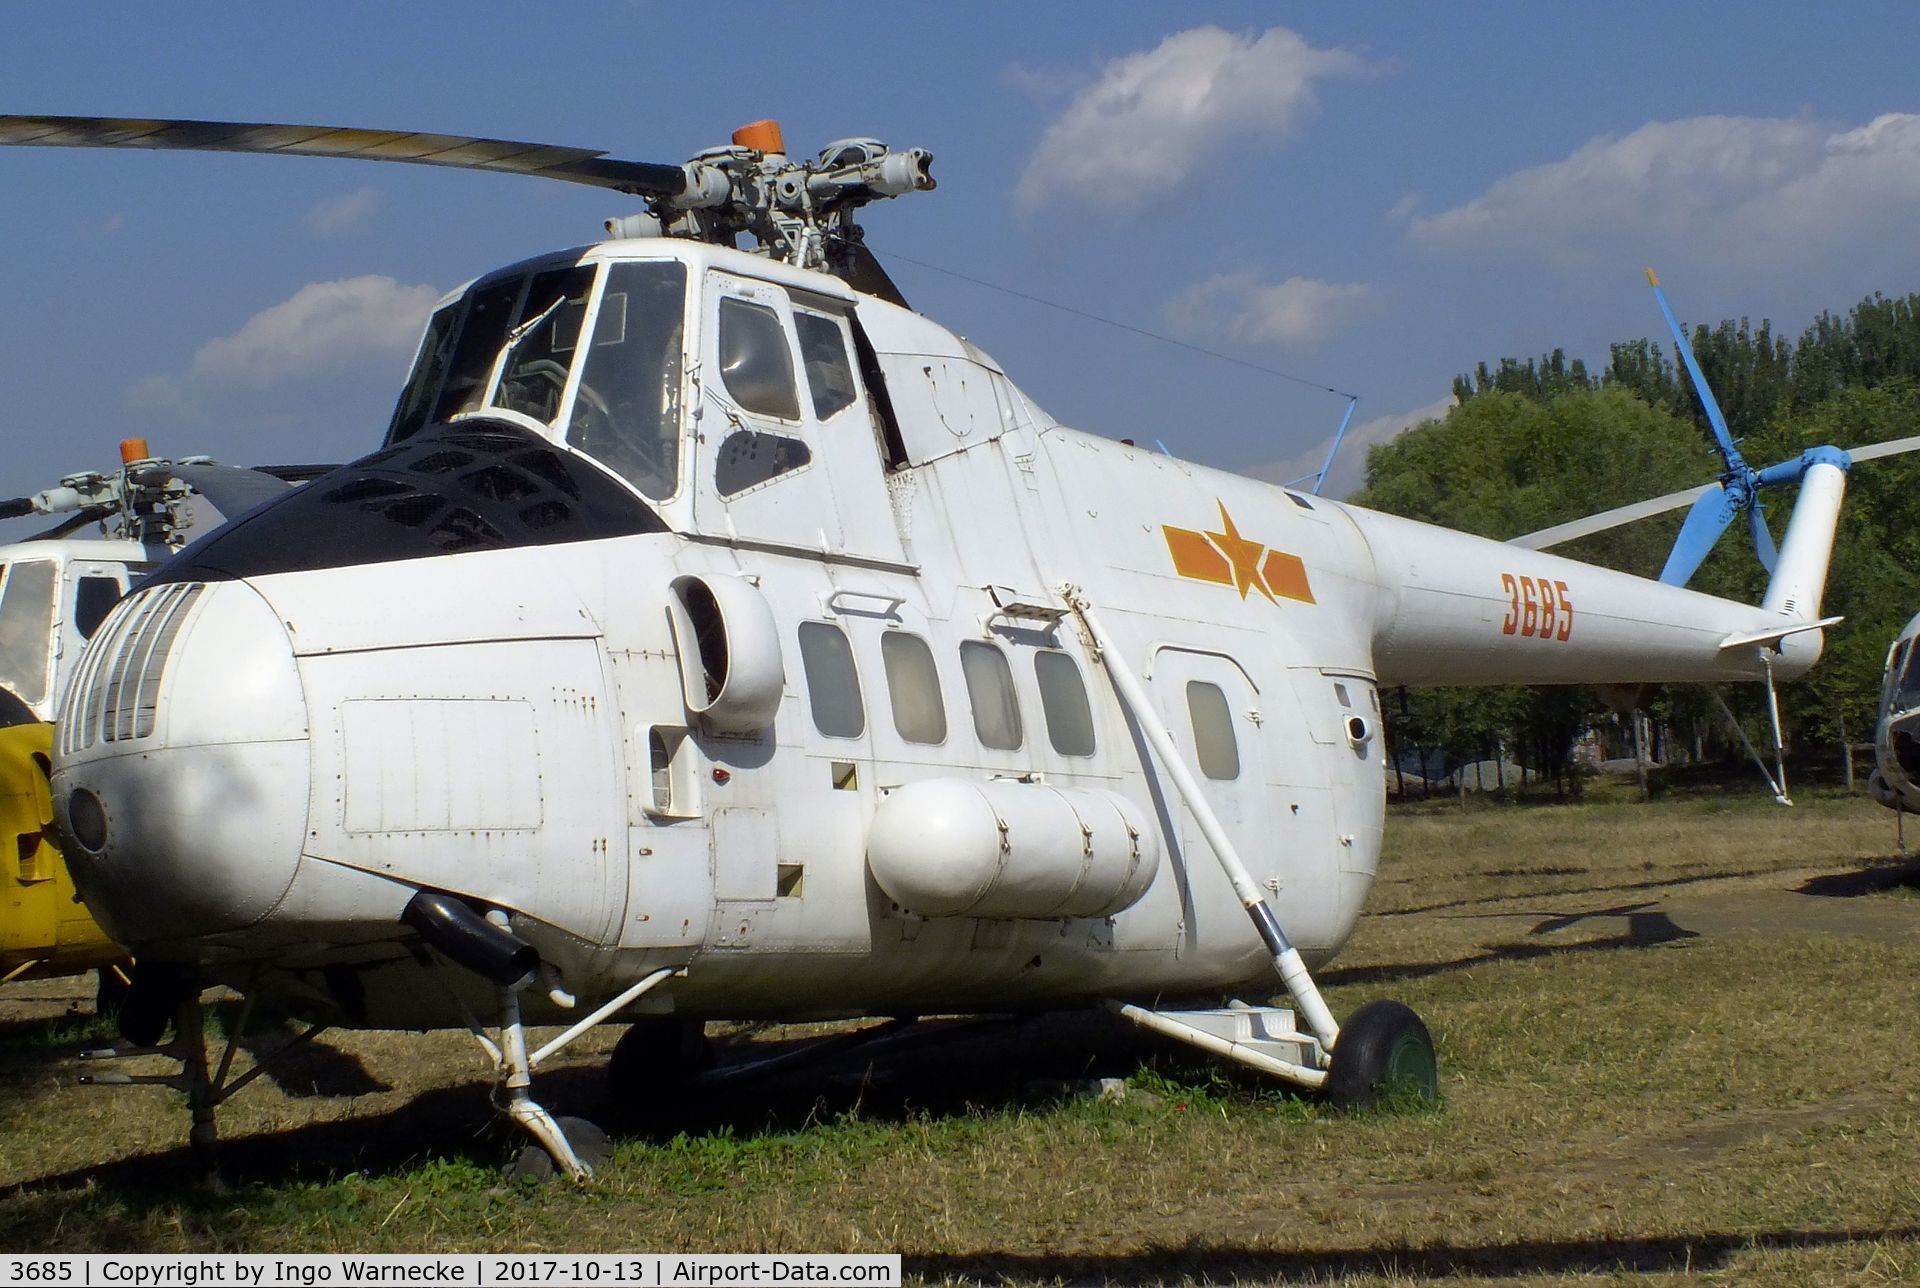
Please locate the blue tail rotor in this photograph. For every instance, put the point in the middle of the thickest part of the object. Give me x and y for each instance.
(1740, 483)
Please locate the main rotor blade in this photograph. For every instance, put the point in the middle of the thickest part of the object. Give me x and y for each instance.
(1709, 518)
(232, 490)
(1606, 519)
(576, 165)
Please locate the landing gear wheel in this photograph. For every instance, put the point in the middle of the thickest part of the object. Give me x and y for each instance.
(589, 1144)
(154, 995)
(111, 993)
(654, 1056)
(1383, 1050)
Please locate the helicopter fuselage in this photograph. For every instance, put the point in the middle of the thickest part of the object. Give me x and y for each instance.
(701, 612)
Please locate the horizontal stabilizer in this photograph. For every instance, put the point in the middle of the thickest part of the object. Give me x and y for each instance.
(1776, 635)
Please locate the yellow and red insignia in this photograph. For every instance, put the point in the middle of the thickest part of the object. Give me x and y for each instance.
(1230, 559)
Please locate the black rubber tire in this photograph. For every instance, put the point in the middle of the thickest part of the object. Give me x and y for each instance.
(656, 1055)
(110, 993)
(588, 1140)
(1383, 1049)
(147, 1010)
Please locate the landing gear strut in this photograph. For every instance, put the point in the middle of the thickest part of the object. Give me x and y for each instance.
(573, 1145)
(205, 1089)
(1393, 1045)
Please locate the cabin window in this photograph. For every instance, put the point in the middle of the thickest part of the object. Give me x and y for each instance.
(93, 599)
(1063, 700)
(755, 363)
(1213, 742)
(543, 343)
(833, 686)
(996, 711)
(626, 414)
(1890, 682)
(26, 630)
(823, 353)
(913, 684)
(747, 459)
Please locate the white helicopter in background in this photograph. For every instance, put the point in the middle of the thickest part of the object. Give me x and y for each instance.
(55, 590)
(1895, 780)
(713, 637)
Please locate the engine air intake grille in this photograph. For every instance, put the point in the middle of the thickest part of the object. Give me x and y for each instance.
(116, 693)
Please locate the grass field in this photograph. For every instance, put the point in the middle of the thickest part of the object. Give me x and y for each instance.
(1675, 1039)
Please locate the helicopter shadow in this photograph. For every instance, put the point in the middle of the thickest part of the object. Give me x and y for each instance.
(1644, 929)
(1878, 877)
(1205, 1263)
(950, 1068)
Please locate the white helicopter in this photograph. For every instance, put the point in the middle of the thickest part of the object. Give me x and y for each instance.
(714, 637)
(1895, 780)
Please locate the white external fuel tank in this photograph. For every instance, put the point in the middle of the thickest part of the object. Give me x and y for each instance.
(954, 847)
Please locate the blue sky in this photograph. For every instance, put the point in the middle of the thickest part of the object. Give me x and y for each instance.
(1370, 197)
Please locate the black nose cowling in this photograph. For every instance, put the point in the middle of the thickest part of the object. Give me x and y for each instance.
(476, 484)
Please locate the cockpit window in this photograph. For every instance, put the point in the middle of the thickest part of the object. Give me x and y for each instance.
(542, 343)
(26, 629)
(1910, 683)
(626, 414)
(416, 400)
(487, 316)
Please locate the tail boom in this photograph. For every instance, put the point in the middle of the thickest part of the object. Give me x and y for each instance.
(1457, 609)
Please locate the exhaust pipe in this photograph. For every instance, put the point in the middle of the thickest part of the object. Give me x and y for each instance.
(470, 940)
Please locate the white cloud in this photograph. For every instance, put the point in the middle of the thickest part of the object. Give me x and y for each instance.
(1350, 466)
(1242, 306)
(1152, 119)
(1738, 188)
(162, 395)
(322, 325)
(340, 214)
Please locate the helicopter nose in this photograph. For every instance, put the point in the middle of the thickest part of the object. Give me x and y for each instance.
(181, 766)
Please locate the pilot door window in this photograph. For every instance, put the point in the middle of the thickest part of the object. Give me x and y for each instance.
(93, 598)
(755, 363)
(913, 686)
(626, 413)
(1063, 700)
(996, 710)
(26, 629)
(833, 686)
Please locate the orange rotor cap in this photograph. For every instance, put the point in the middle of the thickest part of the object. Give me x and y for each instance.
(133, 449)
(761, 136)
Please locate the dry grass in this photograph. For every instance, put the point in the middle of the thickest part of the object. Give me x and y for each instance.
(1659, 1056)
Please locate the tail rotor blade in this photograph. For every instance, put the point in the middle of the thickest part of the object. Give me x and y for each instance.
(1705, 522)
(1892, 447)
(1762, 538)
(1707, 401)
